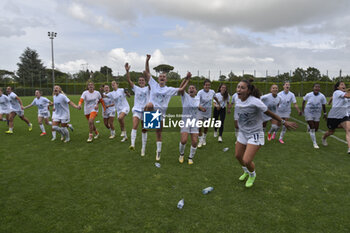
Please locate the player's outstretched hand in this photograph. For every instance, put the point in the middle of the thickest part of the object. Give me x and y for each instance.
(127, 67)
(189, 75)
(290, 125)
(148, 57)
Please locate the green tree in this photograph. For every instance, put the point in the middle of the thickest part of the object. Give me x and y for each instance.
(312, 74)
(106, 70)
(163, 68)
(30, 68)
(232, 77)
(299, 75)
(173, 76)
(222, 78)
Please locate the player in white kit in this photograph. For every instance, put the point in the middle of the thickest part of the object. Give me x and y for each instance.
(206, 96)
(339, 114)
(61, 114)
(220, 109)
(141, 98)
(16, 108)
(190, 113)
(251, 136)
(118, 95)
(109, 112)
(160, 96)
(284, 108)
(43, 104)
(272, 101)
(315, 102)
(92, 98)
(235, 116)
(4, 106)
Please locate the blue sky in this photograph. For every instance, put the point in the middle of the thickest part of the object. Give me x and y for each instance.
(191, 35)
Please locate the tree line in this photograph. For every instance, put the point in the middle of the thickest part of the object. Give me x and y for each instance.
(32, 72)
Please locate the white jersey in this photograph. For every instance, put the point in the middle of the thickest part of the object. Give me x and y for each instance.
(190, 106)
(4, 104)
(14, 103)
(222, 102)
(141, 98)
(61, 103)
(250, 115)
(108, 101)
(160, 96)
(91, 100)
(42, 103)
(284, 108)
(314, 103)
(119, 99)
(272, 103)
(339, 105)
(206, 99)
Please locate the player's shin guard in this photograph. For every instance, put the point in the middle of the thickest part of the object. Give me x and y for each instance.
(65, 132)
(284, 129)
(312, 135)
(159, 146)
(42, 127)
(144, 140)
(133, 136)
(192, 152)
(182, 148)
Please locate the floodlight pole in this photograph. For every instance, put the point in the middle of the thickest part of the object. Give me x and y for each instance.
(52, 35)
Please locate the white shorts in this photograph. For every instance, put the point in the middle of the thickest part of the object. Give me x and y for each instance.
(7, 111)
(125, 110)
(44, 114)
(189, 130)
(253, 139)
(19, 113)
(64, 121)
(204, 115)
(137, 114)
(311, 117)
(108, 113)
(283, 114)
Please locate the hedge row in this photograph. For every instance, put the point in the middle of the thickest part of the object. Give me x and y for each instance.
(298, 88)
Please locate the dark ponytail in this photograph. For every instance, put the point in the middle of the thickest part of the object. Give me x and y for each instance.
(226, 93)
(254, 91)
(337, 85)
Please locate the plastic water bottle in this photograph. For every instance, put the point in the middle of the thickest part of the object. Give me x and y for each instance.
(98, 121)
(207, 190)
(180, 204)
(225, 149)
(157, 165)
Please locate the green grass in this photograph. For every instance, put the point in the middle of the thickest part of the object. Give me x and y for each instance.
(103, 187)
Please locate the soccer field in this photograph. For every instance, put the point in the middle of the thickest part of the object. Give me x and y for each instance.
(103, 187)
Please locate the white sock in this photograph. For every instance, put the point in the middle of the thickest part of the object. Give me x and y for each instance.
(65, 132)
(252, 174)
(273, 128)
(200, 139)
(54, 134)
(144, 140)
(204, 136)
(245, 169)
(159, 146)
(312, 135)
(124, 134)
(11, 129)
(113, 132)
(50, 122)
(192, 152)
(42, 127)
(182, 148)
(133, 136)
(284, 129)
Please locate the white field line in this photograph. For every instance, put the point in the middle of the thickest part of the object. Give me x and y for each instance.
(322, 131)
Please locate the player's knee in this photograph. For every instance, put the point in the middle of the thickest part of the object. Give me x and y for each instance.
(149, 107)
(55, 127)
(246, 161)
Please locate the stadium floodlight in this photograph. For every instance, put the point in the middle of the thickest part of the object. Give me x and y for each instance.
(52, 35)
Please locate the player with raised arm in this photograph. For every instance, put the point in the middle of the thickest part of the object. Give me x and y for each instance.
(284, 108)
(206, 96)
(61, 114)
(339, 114)
(160, 96)
(220, 109)
(251, 136)
(272, 101)
(91, 98)
(16, 108)
(118, 95)
(4, 106)
(315, 102)
(109, 112)
(140, 101)
(43, 104)
(190, 113)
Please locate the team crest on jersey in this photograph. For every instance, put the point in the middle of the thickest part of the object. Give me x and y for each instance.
(152, 119)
